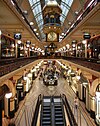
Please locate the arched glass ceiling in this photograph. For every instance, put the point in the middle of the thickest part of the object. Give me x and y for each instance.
(65, 6)
(37, 11)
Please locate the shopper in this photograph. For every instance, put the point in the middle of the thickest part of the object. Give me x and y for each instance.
(76, 102)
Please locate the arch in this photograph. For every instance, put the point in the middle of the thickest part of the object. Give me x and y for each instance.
(3, 90)
(95, 83)
(11, 86)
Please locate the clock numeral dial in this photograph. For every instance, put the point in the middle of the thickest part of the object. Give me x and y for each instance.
(52, 36)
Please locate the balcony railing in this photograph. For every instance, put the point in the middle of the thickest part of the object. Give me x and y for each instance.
(85, 62)
(7, 66)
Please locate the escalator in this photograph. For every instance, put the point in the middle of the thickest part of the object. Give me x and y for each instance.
(46, 111)
(52, 111)
(58, 115)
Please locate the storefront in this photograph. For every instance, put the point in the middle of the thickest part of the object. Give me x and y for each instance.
(83, 90)
(28, 82)
(97, 112)
(20, 89)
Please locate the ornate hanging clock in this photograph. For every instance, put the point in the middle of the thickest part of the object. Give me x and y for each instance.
(52, 36)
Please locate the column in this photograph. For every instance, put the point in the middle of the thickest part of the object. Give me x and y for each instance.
(86, 49)
(76, 51)
(0, 44)
(85, 44)
(1, 112)
(9, 105)
(24, 50)
(87, 99)
(92, 106)
(80, 88)
(16, 48)
(12, 107)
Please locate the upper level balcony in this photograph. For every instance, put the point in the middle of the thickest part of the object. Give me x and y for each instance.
(9, 65)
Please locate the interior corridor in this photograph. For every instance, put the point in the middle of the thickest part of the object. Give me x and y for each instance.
(25, 113)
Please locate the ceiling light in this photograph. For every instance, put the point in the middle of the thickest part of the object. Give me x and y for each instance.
(23, 18)
(35, 29)
(78, 47)
(19, 41)
(74, 41)
(31, 23)
(84, 41)
(62, 34)
(73, 45)
(37, 33)
(69, 23)
(25, 12)
(67, 46)
(76, 12)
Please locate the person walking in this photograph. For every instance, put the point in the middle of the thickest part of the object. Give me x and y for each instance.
(76, 102)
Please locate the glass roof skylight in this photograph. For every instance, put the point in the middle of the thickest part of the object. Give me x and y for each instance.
(65, 6)
(37, 11)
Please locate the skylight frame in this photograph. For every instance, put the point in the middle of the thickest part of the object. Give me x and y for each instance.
(37, 11)
(65, 6)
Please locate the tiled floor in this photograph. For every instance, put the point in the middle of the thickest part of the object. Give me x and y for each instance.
(23, 116)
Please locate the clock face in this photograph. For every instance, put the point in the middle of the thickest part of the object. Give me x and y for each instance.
(52, 36)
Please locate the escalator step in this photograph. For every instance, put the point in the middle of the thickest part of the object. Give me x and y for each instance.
(46, 118)
(56, 108)
(46, 122)
(58, 112)
(59, 123)
(47, 111)
(46, 108)
(47, 115)
(46, 104)
(46, 125)
(58, 116)
(58, 119)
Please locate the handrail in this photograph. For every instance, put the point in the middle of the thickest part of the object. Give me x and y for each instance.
(20, 62)
(86, 62)
(15, 64)
(34, 120)
(69, 111)
(63, 112)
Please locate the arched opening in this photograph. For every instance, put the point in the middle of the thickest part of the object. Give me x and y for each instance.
(83, 89)
(3, 90)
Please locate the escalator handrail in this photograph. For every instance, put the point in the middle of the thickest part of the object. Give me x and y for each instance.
(34, 120)
(69, 111)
